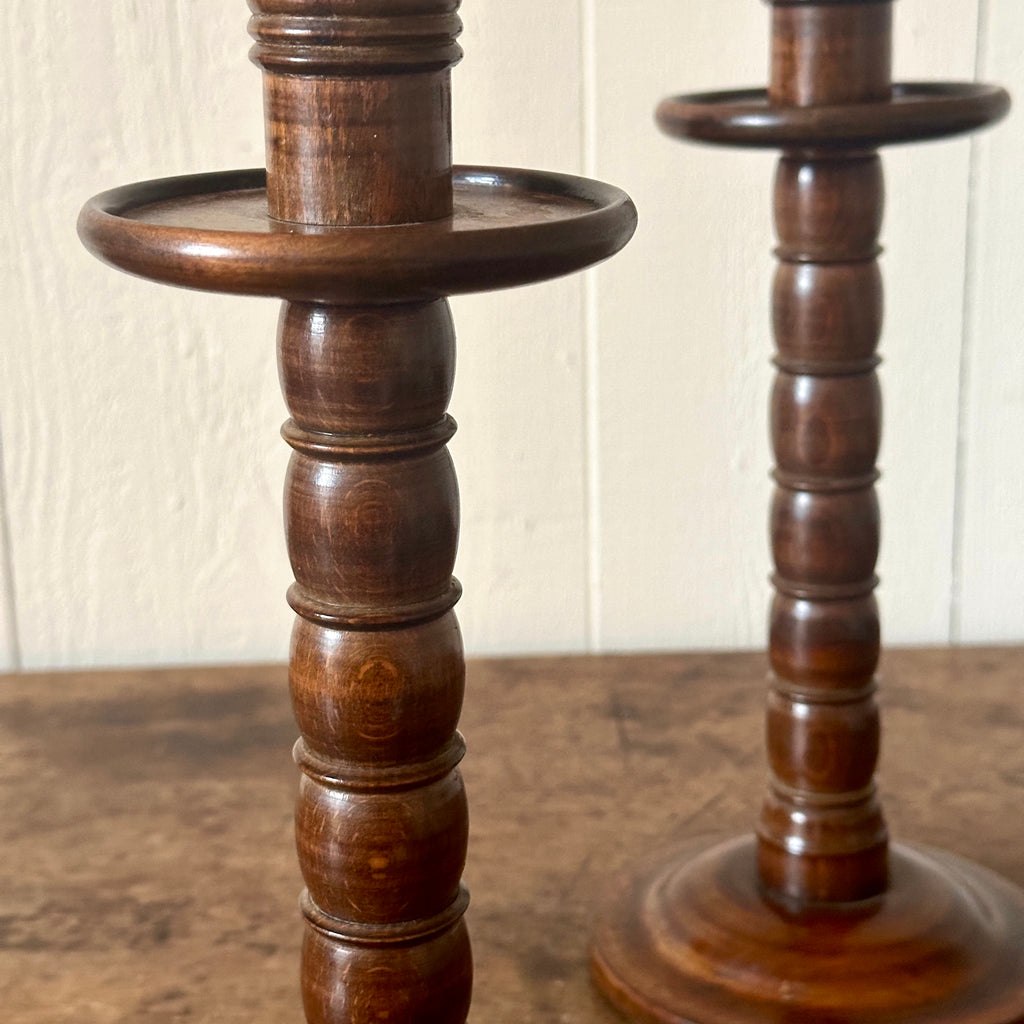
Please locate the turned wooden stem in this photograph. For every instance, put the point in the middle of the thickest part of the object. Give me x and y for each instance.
(815, 918)
(355, 224)
(377, 668)
(357, 108)
(822, 836)
(359, 133)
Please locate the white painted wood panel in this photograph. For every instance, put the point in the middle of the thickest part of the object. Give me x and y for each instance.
(924, 264)
(990, 593)
(683, 352)
(685, 341)
(10, 654)
(141, 423)
(518, 396)
(612, 452)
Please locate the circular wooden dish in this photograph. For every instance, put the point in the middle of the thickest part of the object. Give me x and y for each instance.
(917, 111)
(213, 232)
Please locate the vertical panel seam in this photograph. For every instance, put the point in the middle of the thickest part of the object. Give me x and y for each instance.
(967, 340)
(591, 352)
(10, 623)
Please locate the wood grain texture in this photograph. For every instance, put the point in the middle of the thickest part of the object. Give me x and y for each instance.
(213, 232)
(818, 918)
(377, 671)
(707, 379)
(126, 892)
(822, 836)
(386, 71)
(361, 226)
(203, 372)
(837, 53)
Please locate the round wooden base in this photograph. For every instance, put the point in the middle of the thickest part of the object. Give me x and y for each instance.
(691, 941)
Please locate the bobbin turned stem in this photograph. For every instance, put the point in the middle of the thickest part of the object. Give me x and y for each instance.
(358, 116)
(822, 837)
(377, 670)
(815, 918)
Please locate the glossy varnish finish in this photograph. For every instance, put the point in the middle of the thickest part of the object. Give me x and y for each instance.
(358, 108)
(362, 226)
(361, 135)
(816, 918)
(822, 838)
(377, 675)
(836, 53)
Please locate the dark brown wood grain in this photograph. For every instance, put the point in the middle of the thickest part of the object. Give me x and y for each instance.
(371, 513)
(214, 232)
(358, 109)
(831, 54)
(371, 518)
(816, 918)
(748, 117)
(148, 875)
(361, 224)
(822, 838)
(360, 135)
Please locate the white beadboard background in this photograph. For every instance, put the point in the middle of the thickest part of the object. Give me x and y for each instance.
(612, 454)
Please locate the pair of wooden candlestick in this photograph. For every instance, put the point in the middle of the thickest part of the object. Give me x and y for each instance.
(364, 228)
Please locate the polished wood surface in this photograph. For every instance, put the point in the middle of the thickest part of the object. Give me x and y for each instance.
(356, 225)
(358, 108)
(917, 111)
(817, 918)
(377, 674)
(822, 837)
(213, 232)
(149, 876)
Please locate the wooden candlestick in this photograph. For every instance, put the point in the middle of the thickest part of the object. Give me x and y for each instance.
(362, 226)
(815, 918)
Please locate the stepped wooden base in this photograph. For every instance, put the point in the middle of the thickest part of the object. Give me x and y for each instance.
(691, 941)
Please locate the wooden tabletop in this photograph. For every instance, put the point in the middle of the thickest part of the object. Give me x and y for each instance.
(147, 872)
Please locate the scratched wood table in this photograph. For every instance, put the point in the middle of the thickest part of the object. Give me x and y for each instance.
(148, 875)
